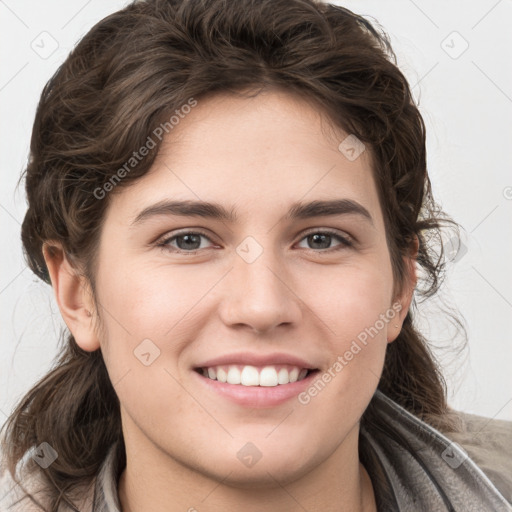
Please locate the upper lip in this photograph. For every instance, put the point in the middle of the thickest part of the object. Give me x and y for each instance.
(251, 359)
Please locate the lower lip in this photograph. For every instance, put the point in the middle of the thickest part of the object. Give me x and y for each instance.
(258, 397)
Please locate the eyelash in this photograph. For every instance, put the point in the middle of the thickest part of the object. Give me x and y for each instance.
(345, 241)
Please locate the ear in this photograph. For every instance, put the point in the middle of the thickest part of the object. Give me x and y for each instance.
(73, 296)
(405, 297)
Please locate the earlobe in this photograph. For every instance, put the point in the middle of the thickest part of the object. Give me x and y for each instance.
(405, 297)
(72, 295)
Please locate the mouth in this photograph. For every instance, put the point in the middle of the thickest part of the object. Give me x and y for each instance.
(251, 376)
(255, 386)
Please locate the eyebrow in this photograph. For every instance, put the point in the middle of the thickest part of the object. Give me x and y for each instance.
(209, 210)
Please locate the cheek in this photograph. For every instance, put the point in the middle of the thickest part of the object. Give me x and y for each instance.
(151, 300)
(355, 309)
(141, 313)
(352, 297)
(150, 315)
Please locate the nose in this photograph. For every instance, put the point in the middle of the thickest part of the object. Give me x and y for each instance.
(260, 295)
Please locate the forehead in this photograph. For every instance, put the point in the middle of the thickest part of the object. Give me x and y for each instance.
(262, 152)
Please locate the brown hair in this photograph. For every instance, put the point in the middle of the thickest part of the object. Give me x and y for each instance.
(125, 78)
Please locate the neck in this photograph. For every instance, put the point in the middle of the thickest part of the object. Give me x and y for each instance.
(153, 481)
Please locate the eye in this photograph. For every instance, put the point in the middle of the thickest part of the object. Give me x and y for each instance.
(191, 241)
(322, 240)
(187, 241)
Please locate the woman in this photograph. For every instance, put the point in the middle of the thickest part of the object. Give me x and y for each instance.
(230, 202)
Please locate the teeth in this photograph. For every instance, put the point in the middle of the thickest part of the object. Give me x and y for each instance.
(250, 376)
(222, 375)
(233, 375)
(268, 376)
(283, 376)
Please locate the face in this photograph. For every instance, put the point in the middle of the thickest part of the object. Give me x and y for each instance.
(270, 292)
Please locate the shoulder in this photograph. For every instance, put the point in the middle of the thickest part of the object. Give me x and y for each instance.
(14, 491)
(28, 490)
(488, 442)
(463, 459)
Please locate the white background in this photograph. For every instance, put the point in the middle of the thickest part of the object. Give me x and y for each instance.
(467, 106)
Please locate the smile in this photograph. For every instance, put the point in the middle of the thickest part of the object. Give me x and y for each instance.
(248, 375)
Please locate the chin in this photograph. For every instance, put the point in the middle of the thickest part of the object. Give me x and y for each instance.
(262, 476)
(250, 469)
